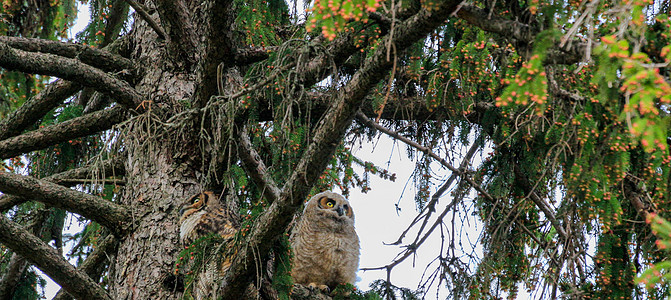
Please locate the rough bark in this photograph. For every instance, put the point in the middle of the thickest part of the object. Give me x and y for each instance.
(110, 167)
(18, 264)
(97, 58)
(219, 48)
(33, 109)
(108, 214)
(69, 69)
(49, 261)
(94, 264)
(155, 183)
(78, 127)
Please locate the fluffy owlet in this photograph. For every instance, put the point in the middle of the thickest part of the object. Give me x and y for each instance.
(325, 245)
(202, 215)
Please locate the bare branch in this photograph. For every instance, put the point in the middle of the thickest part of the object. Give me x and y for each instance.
(69, 69)
(431, 206)
(255, 168)
(95, 57)
(251, 55)
(111, 215)
(94, 264)
(74, 128)
(329, 133)
(33, 109)
(140, 9)
(106, 167)
(547, 210)
(427, 151)
(49, 261)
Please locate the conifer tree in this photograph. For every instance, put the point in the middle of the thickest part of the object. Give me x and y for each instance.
(566, 102)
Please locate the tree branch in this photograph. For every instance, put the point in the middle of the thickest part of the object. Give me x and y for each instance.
(109, 167)
(329, 133)
(255, 168)
(69, 69)
(114, 21)
(142, 11)
(17, 264)
(49, 261)
(74, 128)
(33, 109)
(94, 264)
(95, 57)
(249, 56)
(111, 215)
(520, 32)
(426, 151)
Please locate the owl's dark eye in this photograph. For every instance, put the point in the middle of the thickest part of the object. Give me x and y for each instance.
(346, 207)
(330, 203)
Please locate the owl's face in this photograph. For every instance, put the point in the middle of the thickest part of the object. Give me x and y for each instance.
(194, 204)
(333, 206)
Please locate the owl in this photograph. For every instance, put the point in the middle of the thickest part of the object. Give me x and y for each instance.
(325, 245)
(201, 215)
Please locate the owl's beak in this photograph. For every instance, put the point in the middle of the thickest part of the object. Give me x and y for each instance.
(340, 210)
(181, 210)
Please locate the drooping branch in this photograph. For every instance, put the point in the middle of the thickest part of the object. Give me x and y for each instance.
(255, 168)
(94, 57)
(179, 29)
(328, 136)
(111, 215)
(106, 168)
(49, 261)
(69, 69)
(547, 210)
(78, 127)
(140, 9)
(94, 264)
(33, 109)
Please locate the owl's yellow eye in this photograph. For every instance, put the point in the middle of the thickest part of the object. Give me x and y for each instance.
(330, 203)
(196, 200)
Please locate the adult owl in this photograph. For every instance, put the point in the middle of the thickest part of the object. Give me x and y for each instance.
(325, 245)
(201, 215)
